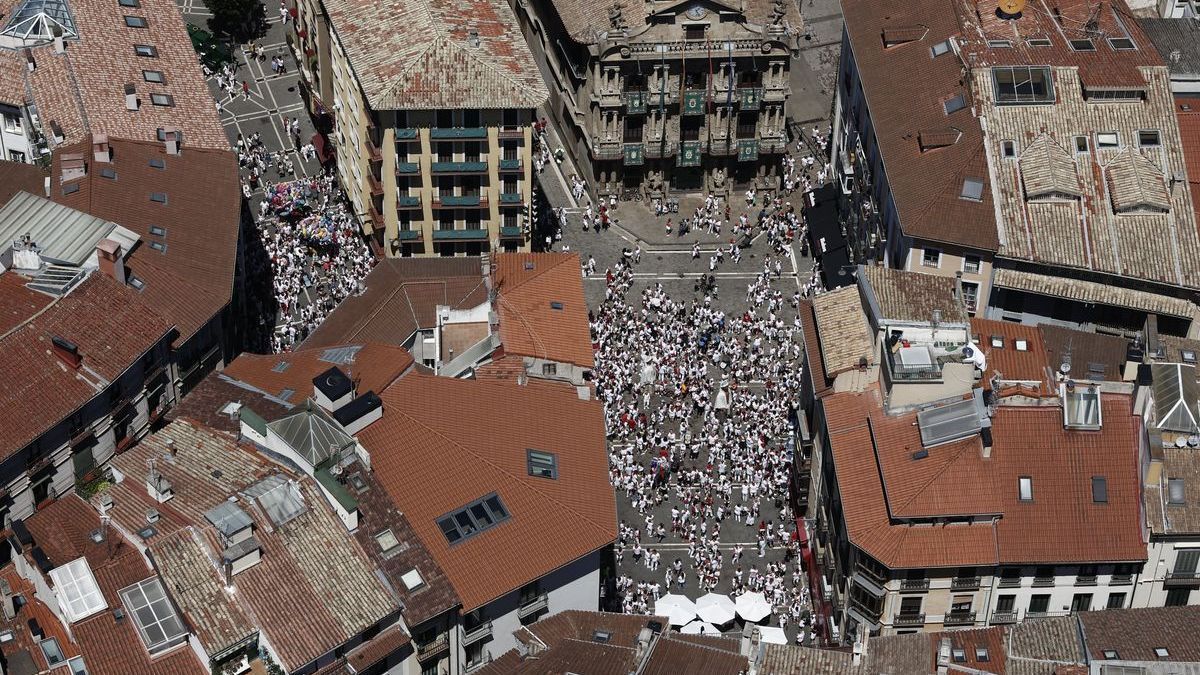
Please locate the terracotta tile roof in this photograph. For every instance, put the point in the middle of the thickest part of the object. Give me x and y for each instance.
(970, 641)
(376, 513)
(901, 295)
(387, 642)
(1054, 639)
(33, 610)
(671, 656)
(885, 655)
(324, 569)
(418, 55)
(192, 280)
(846, 339)
(879, 479)
(586, 21)
(1176, 41)
(568, 656)
(503, 368)
(1010, 363)
(528, 286)
(1092, 292)
(112, 326)
(814, 362)
(925, 185)
(371, 366)
(83, 89)
(206, 400)
(1089, 352)
(18, 302)
(433, 461)
(1187, 114)
(401, 296)
(573, 624)
(1135, 633)
(109, 647)
(18, 176)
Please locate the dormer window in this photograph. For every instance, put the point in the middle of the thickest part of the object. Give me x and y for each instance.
(1022, 85)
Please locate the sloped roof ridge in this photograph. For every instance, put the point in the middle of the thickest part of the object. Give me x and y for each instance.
(932, 203)
(538, 269)
(516, 480)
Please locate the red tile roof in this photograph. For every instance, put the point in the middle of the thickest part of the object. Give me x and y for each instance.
(925, 185)
(33, 610)
(879, 480)
(83, 90)
(528, 288)
(18, 176)
(1187, 113)
(444, 443)
(372, 366)
(18, 302)
(1009, 363)
(192, 279)
(112, 326)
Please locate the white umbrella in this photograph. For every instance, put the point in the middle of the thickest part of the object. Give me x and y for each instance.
(677, 608)
(700, 628)
(752, 607)
(716, 608)
(772, 635)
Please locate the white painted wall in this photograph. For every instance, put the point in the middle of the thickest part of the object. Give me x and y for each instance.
(1150, 591)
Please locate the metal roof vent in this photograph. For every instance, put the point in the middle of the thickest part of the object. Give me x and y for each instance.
(473, 39)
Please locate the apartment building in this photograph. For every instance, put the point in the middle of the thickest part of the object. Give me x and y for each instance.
(430, 111)
(73, 68)
(663, 97)
(1051, 178)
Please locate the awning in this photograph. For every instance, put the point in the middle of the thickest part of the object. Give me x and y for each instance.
(323, 154)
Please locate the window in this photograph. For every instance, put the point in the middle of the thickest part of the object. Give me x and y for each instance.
(1108, 139)
(1185, 562)
(157, 622)
(940, 48)
(1081, 144)
(109, 173)
(972, 264)
(954, 104)
(1116, 601)
(473, 519)
(1039, 604)
(1081, 602)
(77, 666)
(981, 654)
(1008, 149)
(386, 540)
(1006, 603)
(1113, 95)
(959, 655)
(1099, 490)
(999, 44)
(12, 123)
(160, 197)
(162, 99)
(154, 76)
(52, 652)
(910, 605)
(970, 295)
(1039, 42)
(1082, 45)
(145, 50)
(16, 156)
(1022, 84)
(996, 341)
(1161, 652)
(931, 257)
(1188, 356)
(1148, 138)
(158, 231)
(1025, 488)
(972, 189)
(694, 32)
(549, 369)
(1111, 654)
(129, 3)
(1178, 597)
(158, 163)
(542, 464)
(1175, 493)
(136, 22)
(1121, 44)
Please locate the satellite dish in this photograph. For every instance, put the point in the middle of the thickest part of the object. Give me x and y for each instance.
(1011, 7)
(1193, 440)
(1065, 367)
(1180, 442)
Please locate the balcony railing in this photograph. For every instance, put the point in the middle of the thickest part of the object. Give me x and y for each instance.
(964, 584)
(477, 633)
(608, 150)
(376, 186)
(510, 198)
(660, 149)
(910, 585)
(909, 619)
(408, 201)
(1121, 580)
(373, 150)
(433, 648)
(512, 131)
(407, 167)
(959, 619)
(462, 201)
(610, 98)
(458, 132)
(533, 606)
(1010, 582)
(459, 235)
(513, 164)
(1008, 616)
(1182, 579)
(774, 93)
(511, 232)
(473, 166)
(404, 134)
(408, 235)
(1042, 582)
(1085, 580)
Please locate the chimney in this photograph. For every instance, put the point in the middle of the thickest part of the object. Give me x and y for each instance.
(57, 131)
(171, 142)
(131, 99)
(73, 167)
(985, 434)
(111, 261)
(60, 47)
(30, 63)
(67, 352)
(473, 38)
(101, 150)
(171, 447)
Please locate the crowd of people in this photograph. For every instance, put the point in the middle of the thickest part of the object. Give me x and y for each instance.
(699, 408)
(317, 256)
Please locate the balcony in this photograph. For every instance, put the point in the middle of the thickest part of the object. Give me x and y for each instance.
(434, 647)
(408, 235)
(473, 166)
(964, 584)
(610, 98)
(460, 235)
(405, 168)
(512, 131)
(476, 633)
(408, 201)
(1178, 579)
(909, 620)
(658, 99)
(373, 150)
(608, 150)
(1085, 580)
(510, 164)
(1121, 580)
(1043, 582)
(660, 149)
(405, 134)
(458, 133)
(1010, 582)
(959, 619)
(510, 198)
(914, 585)
(376, 186)
(772, 143)
(460, 201)
(1008, 616)
(511, 232)
(775, 94)
(721, 146)
(533, 606)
